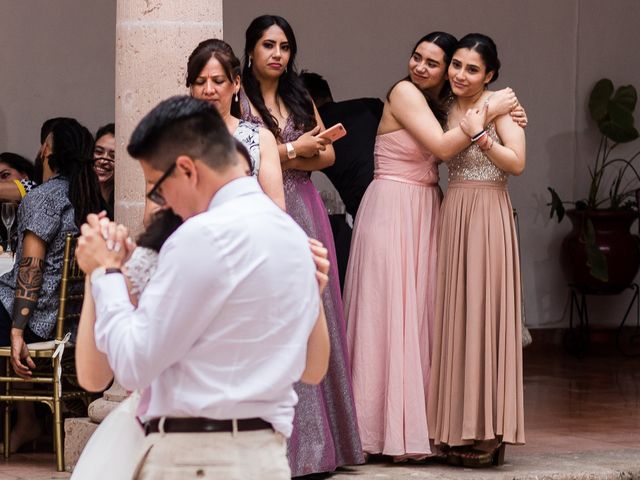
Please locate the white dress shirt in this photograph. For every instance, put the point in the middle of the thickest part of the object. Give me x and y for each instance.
(221, 329)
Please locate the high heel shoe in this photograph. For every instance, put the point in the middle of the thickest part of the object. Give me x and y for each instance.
(473, 458)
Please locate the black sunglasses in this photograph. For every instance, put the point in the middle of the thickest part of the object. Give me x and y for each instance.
(154, 195)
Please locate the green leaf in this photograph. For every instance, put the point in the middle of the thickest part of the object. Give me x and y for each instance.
(626, 96)
(556, 205)
(599, 99)
(596, 260)
(618, 124)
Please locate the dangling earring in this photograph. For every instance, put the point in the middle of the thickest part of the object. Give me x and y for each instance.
(285, 69)
(249, 62)
(236, 98)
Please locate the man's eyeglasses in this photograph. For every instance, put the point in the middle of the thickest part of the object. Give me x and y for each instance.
(100, 153)
(154, 195)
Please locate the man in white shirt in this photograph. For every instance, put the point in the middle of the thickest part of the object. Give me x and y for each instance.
(220, 333)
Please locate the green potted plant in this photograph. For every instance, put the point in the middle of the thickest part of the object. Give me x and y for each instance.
(600, 254)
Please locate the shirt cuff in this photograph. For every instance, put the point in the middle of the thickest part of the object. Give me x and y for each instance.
(108, 290)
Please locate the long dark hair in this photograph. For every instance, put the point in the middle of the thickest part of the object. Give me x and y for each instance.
(163, 223)
(447, 44)
(223, 52)
(290, 86)
(18, 163)
(486, 48)
(72, 158)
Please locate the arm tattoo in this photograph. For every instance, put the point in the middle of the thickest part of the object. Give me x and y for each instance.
(27, 290)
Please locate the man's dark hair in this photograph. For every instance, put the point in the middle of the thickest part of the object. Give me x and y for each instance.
(108, 129)
(48, 125)
(317, 87)
(183, 125)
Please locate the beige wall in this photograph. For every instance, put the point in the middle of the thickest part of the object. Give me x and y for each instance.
(57, 58)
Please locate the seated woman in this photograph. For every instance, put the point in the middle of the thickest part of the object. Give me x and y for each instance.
(29, 292)
(15, 181)
(16, 174)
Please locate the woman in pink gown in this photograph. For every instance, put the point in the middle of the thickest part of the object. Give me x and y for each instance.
(390, 282)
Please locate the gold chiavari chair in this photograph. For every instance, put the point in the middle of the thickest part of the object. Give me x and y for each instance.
(47, 379)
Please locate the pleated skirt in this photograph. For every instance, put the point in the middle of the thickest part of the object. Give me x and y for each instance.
(476, 390)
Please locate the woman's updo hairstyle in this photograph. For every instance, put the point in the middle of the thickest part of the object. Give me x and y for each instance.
(223, 52)
(290, 86)
(486, 48)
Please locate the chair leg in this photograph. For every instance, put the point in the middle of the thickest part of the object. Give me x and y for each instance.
(7, 429)
(7, 414)
(57, 420)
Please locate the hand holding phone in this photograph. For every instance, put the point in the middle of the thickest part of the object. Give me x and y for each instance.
(333, 133)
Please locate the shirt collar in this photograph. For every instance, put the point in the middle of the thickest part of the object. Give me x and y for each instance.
(235, 188)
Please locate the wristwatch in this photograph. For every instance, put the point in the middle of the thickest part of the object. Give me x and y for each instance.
(100, 271)
(291, 152)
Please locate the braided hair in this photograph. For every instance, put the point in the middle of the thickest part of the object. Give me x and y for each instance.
(72, 158)
(290, 86)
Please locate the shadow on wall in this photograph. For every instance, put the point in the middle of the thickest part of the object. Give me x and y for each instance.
(550, 285)
(4, 139)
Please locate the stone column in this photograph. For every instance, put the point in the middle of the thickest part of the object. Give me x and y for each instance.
(153, 41)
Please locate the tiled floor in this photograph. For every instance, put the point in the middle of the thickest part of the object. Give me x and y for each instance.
(582, 414)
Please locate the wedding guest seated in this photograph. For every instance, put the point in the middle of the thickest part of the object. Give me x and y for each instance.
(15, 174)
(104, 156)
(29, 292)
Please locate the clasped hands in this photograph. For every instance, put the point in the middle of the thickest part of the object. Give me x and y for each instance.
(103, 243)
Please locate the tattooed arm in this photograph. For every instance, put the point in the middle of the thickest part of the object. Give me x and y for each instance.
(28, 286)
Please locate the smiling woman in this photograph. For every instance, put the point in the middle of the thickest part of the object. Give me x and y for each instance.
(104, 157)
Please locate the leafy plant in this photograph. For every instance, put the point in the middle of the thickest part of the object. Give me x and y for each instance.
(612, 109)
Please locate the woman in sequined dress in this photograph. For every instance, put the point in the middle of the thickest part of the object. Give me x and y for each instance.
(475, 402)
(325, 432)
(390, 282)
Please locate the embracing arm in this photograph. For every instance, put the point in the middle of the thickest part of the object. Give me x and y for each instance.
(510, 156)
(270, 174)
(409, 107)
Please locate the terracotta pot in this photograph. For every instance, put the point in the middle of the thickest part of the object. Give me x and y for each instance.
(613, 238)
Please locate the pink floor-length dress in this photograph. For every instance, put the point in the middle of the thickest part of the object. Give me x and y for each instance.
(390, 297)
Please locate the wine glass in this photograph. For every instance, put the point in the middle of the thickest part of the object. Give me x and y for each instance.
(8, 216)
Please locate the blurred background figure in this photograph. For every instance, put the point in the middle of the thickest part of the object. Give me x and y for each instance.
(104, 157)
(352, 171)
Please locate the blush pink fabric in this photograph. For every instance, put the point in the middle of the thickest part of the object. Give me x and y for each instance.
(390, 297)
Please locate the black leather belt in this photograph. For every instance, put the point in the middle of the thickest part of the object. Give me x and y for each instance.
(199, 424)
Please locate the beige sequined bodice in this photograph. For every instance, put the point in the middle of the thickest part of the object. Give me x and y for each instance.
(472, 164)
